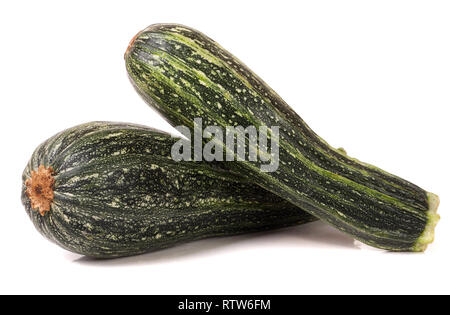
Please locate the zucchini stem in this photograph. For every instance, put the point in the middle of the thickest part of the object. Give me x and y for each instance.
(427, 236)
(40, 189)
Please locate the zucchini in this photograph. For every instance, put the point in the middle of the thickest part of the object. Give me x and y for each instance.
(110, 189)
(186, 75)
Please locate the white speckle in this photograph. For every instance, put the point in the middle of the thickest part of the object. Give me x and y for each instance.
(114, 204)
(112, 135)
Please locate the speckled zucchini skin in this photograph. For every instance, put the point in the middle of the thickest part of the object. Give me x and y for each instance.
(184, 74)
(119, 193)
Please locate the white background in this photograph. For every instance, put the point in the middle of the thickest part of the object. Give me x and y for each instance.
(370, 76)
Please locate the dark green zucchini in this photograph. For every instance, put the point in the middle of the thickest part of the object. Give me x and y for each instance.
(110, 189)
(186, 75)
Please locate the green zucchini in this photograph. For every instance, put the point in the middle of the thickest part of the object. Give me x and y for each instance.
(111, 189)
(186, 75)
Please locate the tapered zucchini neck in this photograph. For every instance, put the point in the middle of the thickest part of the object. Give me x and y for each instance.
(39, 188)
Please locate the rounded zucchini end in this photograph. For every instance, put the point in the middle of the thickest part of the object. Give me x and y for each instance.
(427, 236)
